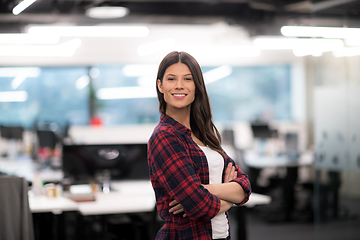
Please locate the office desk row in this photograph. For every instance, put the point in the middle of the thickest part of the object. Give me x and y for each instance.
(25, 167)
(127, 197)
(256, 160)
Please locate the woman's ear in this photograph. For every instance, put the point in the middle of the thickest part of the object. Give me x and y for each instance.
(159, 84)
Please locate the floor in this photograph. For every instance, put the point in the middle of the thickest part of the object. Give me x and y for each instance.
(258, 229)
(260, 226)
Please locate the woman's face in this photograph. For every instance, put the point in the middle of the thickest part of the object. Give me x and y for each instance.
(178, 87)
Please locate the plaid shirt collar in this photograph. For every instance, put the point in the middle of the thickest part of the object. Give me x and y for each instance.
(177, 126)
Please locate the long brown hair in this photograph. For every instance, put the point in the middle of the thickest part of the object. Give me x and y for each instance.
(200, 115)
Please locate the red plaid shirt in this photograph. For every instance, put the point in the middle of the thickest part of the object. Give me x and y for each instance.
(177, 168)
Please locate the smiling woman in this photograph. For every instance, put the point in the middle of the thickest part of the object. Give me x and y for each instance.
(194, 180)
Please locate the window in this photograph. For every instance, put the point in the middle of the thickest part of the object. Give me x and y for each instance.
(57, 94)
(126, 94)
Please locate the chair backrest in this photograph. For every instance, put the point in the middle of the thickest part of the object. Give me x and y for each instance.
(47, 138)
(16, 221)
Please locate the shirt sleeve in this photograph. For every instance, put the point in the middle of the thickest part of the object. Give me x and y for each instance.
(241, 179)
(172, 166)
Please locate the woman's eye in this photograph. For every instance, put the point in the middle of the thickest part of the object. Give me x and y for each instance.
(188, 79)
(170, 79)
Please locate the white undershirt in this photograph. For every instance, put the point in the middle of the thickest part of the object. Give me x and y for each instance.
(219, 223)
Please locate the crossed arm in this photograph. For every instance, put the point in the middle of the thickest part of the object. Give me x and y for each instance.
(228, 192)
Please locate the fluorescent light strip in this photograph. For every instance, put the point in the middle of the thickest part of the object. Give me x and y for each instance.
(24, 38)
(107, 12)
(94, 72)
(91, 31)
(217, 74)
(126, 93)
(353, 42)
(305, 52)
(235, 50)
(137, 70)
(22, 6)
(347, 52)
(325, 32)
(15, 71)
(155, 47)
(82, 82)
(66, 49)
(13, 96)
(19, 79)
(147, 81)
(297, 43)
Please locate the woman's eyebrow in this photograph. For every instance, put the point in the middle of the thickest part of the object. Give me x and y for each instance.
(170, 74)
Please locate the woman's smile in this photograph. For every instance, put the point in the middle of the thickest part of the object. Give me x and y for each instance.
(179, 95)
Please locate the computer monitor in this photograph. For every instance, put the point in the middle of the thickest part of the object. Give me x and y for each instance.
(82, 164)
(12, 132)
(261, 130)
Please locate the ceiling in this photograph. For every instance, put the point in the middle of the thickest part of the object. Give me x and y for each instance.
(259, 17)
(199, 23)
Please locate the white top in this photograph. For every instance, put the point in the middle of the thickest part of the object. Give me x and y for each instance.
(219, 223)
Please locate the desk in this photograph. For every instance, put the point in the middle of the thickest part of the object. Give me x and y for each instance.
(26, 167)
(256, 162)
(42, 204)
(127, 197)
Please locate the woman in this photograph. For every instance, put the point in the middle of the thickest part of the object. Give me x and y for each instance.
(194, 180)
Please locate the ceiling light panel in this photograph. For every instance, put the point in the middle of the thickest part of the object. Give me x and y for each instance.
(325, 32)
(24, 38)
(107, 12)
(91, 31)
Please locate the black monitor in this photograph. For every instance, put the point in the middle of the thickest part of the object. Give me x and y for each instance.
(261, 130)
(12, 132)
(83, 163)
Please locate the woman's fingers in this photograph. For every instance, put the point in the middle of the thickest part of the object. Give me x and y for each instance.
(228, 172)
(176, 207)
(172, 203)
(234, 174)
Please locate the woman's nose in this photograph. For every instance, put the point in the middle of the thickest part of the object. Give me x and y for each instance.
(179, 84)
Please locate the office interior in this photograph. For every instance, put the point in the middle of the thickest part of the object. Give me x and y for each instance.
(285, 101)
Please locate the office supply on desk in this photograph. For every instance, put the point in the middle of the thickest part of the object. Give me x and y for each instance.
(83, 164)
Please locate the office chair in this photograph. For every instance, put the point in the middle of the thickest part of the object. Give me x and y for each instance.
(16, 221)
(47, 138)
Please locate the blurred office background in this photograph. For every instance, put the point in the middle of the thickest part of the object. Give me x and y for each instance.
(283, 79)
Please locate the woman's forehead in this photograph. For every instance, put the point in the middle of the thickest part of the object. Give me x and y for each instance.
(178, 69)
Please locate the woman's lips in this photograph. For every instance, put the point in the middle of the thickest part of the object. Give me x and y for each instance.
(179, 95)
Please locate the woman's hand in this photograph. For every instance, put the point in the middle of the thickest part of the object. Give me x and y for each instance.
(230, 173)
(176, 207)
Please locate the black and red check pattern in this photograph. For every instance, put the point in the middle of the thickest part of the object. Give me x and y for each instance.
(177, 168)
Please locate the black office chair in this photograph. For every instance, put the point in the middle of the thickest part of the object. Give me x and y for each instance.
(47, 138)
(16, 221)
